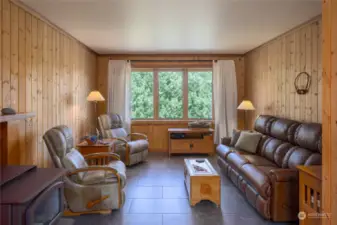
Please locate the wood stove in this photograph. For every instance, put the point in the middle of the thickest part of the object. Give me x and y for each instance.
(31, 195)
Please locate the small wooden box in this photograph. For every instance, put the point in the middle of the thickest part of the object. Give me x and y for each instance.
(202, 185)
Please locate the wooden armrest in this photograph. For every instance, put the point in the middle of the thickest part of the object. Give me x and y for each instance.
(119, 139)
(138, 134)
(94, 168)
(101, 155)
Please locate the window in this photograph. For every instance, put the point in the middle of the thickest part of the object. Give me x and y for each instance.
(171, 94)
(200, 94)
(142, 95)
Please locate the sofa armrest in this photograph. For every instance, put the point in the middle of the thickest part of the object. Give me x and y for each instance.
(284, 203)
(223, 151)
(226, 141)
(283, 175)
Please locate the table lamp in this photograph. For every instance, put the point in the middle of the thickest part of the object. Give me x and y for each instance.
(95, 96)
(246, 105)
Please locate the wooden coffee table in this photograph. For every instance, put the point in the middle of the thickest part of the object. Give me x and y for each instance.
(202, 185)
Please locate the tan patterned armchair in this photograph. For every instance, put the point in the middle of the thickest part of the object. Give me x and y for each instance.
(94, 182)
(130, 151)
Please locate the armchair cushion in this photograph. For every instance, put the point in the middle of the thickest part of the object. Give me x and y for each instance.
(138, 146)
(95, 177)
(120, 167)
(75, 160)
(117, 132)
(111, 125)
(101, 176)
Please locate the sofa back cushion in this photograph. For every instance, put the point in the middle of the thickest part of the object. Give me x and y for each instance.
(309, 136)
(289, 143)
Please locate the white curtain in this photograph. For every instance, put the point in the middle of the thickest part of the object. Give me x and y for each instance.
(225, 98)
(119, 90)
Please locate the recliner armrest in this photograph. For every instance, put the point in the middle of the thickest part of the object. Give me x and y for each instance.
(283, 175)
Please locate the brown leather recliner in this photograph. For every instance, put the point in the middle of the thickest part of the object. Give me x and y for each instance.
(269, 178)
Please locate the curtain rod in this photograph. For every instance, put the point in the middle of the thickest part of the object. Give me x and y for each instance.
(159, 61)
(163, 60)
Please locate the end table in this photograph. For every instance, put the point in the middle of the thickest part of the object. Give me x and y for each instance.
(86, 149)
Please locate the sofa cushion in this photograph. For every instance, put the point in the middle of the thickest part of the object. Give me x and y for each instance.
(300, 156)
(263, 124)
(309, 136)
(248, 141)
(283, 129)
(235, 137)
(275, 150)
(236, 160)
(259, 160)
(257, 179)
(266, 169)
(269, 148)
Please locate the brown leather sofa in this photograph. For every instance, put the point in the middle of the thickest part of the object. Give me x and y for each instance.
(269, 178)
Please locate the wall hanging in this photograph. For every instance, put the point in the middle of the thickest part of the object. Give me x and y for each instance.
(304, 87)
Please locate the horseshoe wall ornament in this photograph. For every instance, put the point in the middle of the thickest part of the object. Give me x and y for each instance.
(302, 89)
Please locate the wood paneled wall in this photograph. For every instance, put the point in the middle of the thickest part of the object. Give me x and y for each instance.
(46, 71)
(272, 68)
(102, 73)
(329, 140)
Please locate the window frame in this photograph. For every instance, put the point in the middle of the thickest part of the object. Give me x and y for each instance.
(184, 92)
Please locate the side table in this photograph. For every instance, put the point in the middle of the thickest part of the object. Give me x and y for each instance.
(86, 149)
(310, 190)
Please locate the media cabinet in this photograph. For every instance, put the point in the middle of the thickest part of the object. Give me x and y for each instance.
(191, 140)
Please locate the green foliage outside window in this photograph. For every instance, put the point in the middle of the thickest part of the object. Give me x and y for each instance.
(170, 95)
(170, 87)
(142, 95)
(200, 95)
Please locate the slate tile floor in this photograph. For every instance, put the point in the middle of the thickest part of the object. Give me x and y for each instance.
(156, 195)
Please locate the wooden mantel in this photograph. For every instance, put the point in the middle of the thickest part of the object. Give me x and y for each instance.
(4, 133)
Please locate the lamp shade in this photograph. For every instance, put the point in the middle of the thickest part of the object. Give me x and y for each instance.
(246, 105)
(95, 96)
